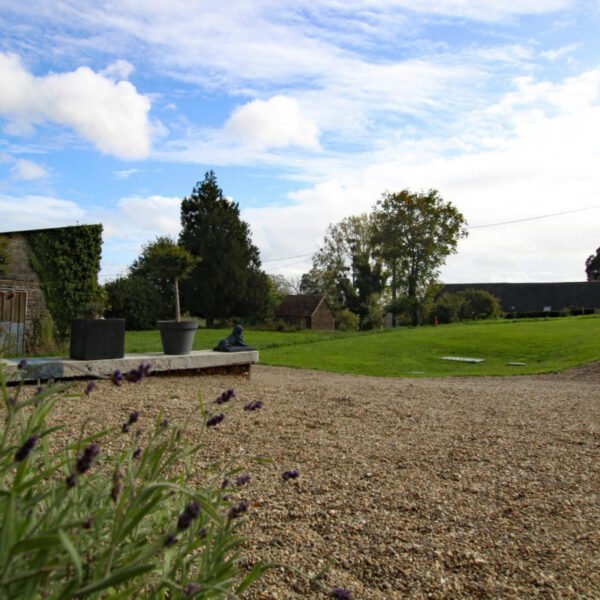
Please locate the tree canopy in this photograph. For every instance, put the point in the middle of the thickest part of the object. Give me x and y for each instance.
(347, 268)
(414, 234)
(394, 255)
(166, 263)
(592, 266)
(229, 281)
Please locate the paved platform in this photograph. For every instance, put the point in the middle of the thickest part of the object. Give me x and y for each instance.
(198, 361)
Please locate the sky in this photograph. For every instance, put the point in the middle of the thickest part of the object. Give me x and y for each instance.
(308, 111)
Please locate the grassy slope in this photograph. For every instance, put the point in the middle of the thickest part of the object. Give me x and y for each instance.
(544, 345)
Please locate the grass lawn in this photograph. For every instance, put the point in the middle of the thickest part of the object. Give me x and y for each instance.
(543, 345)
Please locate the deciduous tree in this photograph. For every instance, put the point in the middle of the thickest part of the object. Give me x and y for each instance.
(414, 234)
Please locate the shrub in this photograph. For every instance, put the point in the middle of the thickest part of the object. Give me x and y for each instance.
(136, 300)
(78, 522)
(346, 320)
(470, 304)
(479, 304)
(448, 308)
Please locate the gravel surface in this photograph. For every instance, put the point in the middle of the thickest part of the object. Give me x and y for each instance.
(437, 488)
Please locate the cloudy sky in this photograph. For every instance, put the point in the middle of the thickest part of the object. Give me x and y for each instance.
(308, 111)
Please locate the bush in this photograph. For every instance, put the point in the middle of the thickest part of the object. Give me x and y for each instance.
(78, 522)
(136, 300)
(346, 320)
(479, 304)
(470, 304)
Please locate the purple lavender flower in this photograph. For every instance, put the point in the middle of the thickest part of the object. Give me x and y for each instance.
(117, 377)
(202, 533)
(85, 461)
(89, 388)
(253, 405)
(225, 483)
(170, 540)
(341, 594)
(243, 479)
(225, 396)
(215, 420)
(23, 452)
(22, 364)
(191, 589)
(236, 511)
(294, 474)
(165, 422)
(71, 481)
(125, 427)
(133, 376)
(133, 417)
(190, 513)
(137, 453)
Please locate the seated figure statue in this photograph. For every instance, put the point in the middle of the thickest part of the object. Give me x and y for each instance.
(233, 343)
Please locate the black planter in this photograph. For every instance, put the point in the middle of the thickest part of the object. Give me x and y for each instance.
(97, 339)
(177, 336)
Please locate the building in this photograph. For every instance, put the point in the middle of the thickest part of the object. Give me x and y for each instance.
(45, 276)
(535, 298)
(306, 311)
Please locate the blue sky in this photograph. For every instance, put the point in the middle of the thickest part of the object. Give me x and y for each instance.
(307, 111)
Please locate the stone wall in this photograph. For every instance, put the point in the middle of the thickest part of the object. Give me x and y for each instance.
(19, 276)
(323, 318)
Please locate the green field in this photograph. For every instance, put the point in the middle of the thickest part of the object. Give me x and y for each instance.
(544, 345)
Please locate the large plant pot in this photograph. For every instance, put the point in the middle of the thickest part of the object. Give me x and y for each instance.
(97, 339)
(177, 336)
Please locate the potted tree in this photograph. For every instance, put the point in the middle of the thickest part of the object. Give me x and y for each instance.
(165, 260)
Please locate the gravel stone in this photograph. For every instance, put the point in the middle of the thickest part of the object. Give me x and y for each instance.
(420, 488)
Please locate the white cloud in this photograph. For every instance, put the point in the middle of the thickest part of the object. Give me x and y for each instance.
(126, 173)
(28, 170)
(38, 212)
(534, 167)
(274, 123)
(113, 116)
(118, 71)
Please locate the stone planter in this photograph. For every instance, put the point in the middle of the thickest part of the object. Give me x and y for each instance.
(177, 336)
(97, 339)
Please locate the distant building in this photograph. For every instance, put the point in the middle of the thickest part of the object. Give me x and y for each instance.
(306, 311)
(523, 298)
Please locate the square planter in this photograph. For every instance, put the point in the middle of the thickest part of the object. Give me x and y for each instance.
(97, 339)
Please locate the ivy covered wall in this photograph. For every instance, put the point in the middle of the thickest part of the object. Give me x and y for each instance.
(67, 262)
(3, 254)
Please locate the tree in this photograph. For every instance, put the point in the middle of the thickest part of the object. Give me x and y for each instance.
(138, 301)
(414, 234)
(592, 266)
(167, 263)
(212, 228)
(348, 269)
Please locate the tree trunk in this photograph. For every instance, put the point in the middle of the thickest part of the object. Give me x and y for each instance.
(177, 307)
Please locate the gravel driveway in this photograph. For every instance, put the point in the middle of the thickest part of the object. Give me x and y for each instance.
(437, 488)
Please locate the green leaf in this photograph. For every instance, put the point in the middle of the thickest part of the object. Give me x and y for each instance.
(115, 579)
(37, 543)
(257, 571)
(72, 551)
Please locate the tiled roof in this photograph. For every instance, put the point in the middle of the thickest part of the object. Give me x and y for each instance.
(300, 305)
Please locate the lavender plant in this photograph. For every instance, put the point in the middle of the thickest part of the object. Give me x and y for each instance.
(78, 522)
